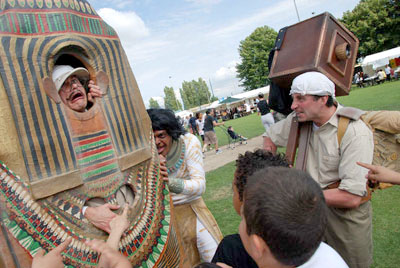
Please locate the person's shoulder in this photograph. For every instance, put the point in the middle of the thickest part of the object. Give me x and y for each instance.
(325, 256)
(330, 256)
(190, 139)
(358, 127)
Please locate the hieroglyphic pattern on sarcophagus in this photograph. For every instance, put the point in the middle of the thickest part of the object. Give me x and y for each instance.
(63, 158)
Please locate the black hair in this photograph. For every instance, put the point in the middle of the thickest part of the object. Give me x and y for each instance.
(286, 208)
(260, 95)
(250, 162)
(208, 111)
(329, 103)
(164, 119)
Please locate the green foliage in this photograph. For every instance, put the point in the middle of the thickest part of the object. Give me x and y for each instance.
(213, 98)
(195, 93)
(170, 100)
(376, 24)
(153, 103)
(254, 50)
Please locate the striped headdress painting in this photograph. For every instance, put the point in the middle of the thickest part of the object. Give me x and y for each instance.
(55, 160)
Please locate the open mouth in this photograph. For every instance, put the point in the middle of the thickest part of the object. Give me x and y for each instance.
(75, 95)
(160, 149)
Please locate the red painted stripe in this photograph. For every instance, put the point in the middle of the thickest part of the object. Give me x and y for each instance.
(38, 23)
(102, 27)
(80, 143)
(83, 24)
(99, 165)
(100, 150)
(66, 21)
(16, 22)
(9, 20)
(87, 25)
(46, 26)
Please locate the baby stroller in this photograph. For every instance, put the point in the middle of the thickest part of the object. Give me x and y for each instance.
(233, 137)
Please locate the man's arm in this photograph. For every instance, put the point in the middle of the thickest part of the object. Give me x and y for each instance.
(268, 145)
(341, 199)
(357, 145)
(218, 124)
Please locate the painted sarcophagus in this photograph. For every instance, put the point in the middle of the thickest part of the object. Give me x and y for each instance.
(54, 160)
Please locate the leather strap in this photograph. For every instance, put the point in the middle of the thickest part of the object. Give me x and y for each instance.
(342, 126)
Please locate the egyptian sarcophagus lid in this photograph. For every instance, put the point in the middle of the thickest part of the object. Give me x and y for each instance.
(54, 160)
(321, 44)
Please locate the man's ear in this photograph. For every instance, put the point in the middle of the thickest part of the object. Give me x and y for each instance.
(50, 89)
(325, 99)
(260, 248)
(102, 81)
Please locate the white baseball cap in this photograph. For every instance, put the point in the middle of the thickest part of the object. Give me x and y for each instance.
(62, 72)
(313, 83)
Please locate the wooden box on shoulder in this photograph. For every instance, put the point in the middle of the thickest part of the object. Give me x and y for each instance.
(321, 44)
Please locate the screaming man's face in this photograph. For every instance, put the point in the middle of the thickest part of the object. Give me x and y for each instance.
(73, 94)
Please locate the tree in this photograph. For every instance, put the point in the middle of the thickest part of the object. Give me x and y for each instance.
(253, 51)
(195, 93)
(170, 100)
(153, 103)
(376, 24)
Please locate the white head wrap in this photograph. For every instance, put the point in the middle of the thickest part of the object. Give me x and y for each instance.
(313, 83)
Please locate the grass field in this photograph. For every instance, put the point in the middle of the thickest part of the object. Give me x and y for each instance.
(386, 203)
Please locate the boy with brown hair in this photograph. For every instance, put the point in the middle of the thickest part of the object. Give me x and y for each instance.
(284, 217)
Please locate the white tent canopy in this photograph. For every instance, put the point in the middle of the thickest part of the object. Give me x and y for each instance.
(252, 94)
(382, 58)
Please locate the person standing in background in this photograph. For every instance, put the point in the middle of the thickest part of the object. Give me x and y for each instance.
(200, 125)
(263, 108)
(388, 72)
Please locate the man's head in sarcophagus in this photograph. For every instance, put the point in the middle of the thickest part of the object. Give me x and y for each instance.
(70, 83)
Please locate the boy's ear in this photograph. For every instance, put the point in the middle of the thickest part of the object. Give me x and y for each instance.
(260, 248)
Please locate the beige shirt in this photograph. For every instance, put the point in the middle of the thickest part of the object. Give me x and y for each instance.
(324, 161)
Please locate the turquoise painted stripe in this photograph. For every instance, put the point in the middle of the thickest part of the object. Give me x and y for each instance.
(99, 170)
(94, 157)
(94, 144)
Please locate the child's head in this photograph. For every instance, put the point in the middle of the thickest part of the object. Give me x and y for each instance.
(284, 215)
(230, 128)
(246, 165)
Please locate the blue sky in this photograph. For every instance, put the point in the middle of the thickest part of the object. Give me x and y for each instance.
(168, 42)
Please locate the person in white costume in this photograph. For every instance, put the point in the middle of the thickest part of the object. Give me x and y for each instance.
(186, 180)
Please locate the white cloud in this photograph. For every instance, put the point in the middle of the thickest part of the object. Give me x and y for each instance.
(129, 26)
(226, 72)
(258, 19)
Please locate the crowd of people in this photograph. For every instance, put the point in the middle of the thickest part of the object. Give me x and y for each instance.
(289, 218)
(381, 75)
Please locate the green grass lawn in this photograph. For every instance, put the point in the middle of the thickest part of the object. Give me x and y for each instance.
(248, 126)
(386, 203)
